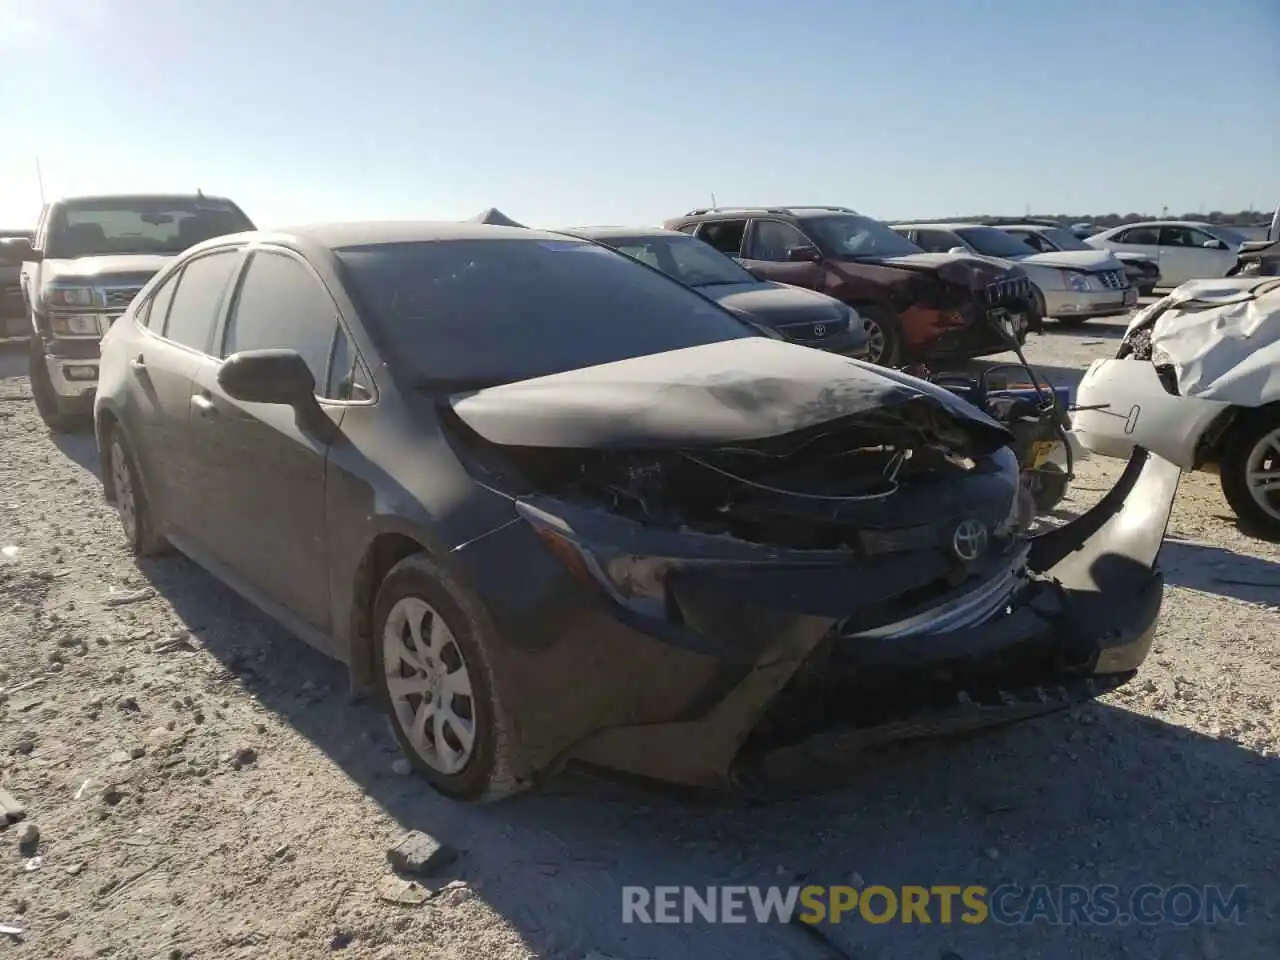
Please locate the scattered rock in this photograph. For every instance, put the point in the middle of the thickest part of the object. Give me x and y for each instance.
(133, 596)
(137, 753)
(455, 893)
(243, 756)
(128, 705)
(420, 854)
(112, 795)
(28, 835)
(120, 757)
(394, 889)
(341, 940)
(75, 869)
(11, 809)
(25, 745)
(401, 767)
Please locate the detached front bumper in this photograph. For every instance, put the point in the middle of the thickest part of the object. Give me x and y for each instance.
(1093, 303)
(757, 665)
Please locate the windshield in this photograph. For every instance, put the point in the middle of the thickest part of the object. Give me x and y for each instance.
(688, 260)
(1065, 239)
(1231, 236)
(158, 225)
(991, 242)
(853, 237)
(463, 314)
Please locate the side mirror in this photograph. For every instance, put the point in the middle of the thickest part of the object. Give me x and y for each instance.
(961, 251)
(268, 376)
(17, 250)
(803, 254)
(1214, 245)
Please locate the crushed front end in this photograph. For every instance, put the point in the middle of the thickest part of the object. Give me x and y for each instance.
(865, 577)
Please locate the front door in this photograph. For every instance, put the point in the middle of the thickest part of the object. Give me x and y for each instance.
(767, 253)
(264, 464)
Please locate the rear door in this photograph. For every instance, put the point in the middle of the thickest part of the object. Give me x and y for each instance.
(1184, 255)
(180, 317)
(766, 253)
(263, 470)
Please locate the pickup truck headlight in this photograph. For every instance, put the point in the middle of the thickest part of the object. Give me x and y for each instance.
(74, 325)
(69, 296)
(1079, 282)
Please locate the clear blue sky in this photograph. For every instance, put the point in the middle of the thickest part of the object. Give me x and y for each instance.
(602, 111)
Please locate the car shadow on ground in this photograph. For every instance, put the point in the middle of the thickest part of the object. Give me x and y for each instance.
(81, 449)
(1103, 795)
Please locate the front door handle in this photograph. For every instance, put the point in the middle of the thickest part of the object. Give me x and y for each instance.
(138, 363)
(204, 405)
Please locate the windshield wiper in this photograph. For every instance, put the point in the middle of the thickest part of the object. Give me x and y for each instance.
(724, 283)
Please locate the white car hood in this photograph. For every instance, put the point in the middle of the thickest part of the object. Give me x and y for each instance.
(1222, 337)
(1090, 261)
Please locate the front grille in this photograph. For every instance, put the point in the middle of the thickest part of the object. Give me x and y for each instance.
(1113, 279)
(119, 296)
(1005, 291)
(811, 332)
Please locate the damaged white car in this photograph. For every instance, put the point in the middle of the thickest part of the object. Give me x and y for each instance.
(1197, 382)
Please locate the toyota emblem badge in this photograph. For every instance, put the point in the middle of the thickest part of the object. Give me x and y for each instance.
(819, 329)
(969, 540)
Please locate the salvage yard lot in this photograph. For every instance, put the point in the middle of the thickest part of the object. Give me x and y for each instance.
(203, 787)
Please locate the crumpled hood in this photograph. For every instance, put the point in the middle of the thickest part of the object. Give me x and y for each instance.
(776, 303)
(966, 270)
(1222, 337)
(713, 395)
(1090, 261)
(135, 266)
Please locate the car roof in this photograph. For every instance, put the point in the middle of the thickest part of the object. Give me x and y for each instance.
(940, 226)
(1164, 223)
(334, 236)
(613, 233)
(126, 197)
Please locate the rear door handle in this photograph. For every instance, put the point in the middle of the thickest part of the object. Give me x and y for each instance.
(204, 405)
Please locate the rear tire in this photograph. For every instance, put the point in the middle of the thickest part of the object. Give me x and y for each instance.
(431, 657)
(136, 518)
(1252, 447)
(52, 409)
(884, 336)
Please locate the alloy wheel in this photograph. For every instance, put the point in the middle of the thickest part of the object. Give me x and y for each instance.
(875, 339)
(1262, 473)
(429, 685)
(126, 497)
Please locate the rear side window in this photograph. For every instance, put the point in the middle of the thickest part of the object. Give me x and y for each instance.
(198, 301)
(156, 312)
(281, 303)
(724, 235)
(1146, 235)
(936, 241)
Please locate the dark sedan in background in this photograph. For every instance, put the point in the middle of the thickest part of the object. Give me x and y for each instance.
(553, 505)
(793, 313)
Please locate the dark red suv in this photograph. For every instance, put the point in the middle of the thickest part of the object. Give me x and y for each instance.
(915, 305)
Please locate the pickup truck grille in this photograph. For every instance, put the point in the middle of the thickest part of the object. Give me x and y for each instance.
(119, 297)
(11, 304)
(1113, 279)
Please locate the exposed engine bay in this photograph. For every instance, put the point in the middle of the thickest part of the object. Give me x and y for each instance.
(895, 469)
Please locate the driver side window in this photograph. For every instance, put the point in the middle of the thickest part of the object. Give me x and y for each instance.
(1183, 237)
(771, 239)
(1036, 242)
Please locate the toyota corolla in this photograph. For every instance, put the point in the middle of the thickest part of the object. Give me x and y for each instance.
(552, 506)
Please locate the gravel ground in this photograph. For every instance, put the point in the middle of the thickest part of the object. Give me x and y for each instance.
(203, 787)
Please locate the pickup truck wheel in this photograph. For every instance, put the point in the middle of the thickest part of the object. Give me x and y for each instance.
(431, 645)
(1250, 471)
(48, 405)
(135, 513)
(884, 336)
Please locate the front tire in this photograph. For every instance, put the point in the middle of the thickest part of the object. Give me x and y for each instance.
(136, 518)
(431, 656)
(1250, 471)
(884, 336)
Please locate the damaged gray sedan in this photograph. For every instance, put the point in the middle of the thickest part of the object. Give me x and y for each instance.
(554, 507)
